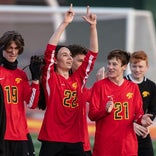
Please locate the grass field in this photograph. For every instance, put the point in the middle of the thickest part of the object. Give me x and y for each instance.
(154, 145)
(37, 144)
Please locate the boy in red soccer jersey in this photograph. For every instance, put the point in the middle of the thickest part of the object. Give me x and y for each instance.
(78, 54)
(139, 66)
(115, 104)
(62, 129)
(15, 93)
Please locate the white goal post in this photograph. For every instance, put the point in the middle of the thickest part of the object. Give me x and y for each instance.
(124, 28)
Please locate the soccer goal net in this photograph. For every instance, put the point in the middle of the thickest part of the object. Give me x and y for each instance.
(118, 28)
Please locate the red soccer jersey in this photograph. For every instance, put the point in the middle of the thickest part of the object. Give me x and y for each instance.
(17, 93)
(63, 120)
(114, 134)
(85, 98)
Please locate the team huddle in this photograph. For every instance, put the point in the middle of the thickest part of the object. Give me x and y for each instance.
(122, 106)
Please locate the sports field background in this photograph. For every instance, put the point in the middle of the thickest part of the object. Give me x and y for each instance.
(37, 144)
(35, 124)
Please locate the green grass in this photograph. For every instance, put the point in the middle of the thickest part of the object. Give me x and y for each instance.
(154, 146)
(37, 144)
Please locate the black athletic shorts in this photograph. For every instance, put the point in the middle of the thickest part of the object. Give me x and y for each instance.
(19, 148)
(49, 148)
(88, 153)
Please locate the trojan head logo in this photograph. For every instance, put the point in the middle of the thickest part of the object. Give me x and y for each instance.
(74, 85)
(145, 93)
(129, 95)
(18, 80)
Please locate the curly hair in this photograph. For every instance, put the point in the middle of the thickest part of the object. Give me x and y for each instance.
(10, 36)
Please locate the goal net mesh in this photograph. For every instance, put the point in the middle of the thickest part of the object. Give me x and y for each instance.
(118, 28)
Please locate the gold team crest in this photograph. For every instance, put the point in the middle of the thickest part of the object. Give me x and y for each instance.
(74, 85)
(18, 80)
(129, 95)
(145, 93)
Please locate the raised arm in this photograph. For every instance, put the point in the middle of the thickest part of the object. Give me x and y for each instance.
(68, 17)
(92, 20)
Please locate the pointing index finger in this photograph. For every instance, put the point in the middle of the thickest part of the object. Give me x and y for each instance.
(88, 10)
(71, 7)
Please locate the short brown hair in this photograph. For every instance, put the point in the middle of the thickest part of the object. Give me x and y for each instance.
(119, 54)
(77, 49)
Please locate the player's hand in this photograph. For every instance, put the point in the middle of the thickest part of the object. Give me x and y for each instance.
(109, 104)
(146, 120)
(100, 74)
(141, 130)
(69, 15)
(90, 17)
(36, 64)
